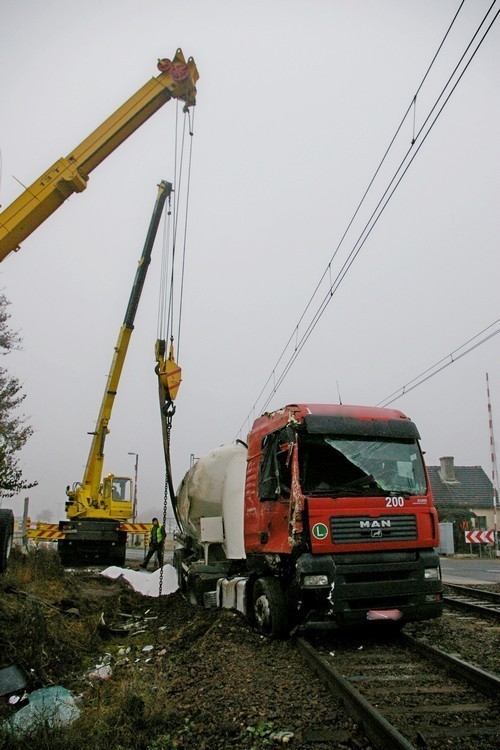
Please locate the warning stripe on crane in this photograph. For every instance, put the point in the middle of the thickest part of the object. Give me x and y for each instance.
(480, 537)
(136, 528)
(51, 530)
(45, 533)
(41, 526)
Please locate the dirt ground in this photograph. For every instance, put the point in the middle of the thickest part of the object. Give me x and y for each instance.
(154, 674)
(202, 678)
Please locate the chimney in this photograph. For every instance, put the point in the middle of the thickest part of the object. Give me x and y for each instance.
(447, 470)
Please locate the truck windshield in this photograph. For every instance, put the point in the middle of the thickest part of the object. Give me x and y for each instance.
(354, 466)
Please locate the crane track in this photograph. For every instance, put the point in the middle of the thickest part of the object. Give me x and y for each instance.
(475, 601)
(409, 695)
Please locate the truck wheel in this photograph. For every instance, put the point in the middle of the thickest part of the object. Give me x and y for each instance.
(6, 536)
(269, 607)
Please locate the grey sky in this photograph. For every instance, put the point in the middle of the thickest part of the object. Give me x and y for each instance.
(297, 102)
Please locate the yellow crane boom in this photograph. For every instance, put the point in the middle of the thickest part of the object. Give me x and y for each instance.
(97, 506)
(69, 175)
(89, 498)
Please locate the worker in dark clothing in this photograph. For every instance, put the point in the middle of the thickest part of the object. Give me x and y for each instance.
(156, 542)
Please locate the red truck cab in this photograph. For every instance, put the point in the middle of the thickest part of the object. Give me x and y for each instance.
(338, 507)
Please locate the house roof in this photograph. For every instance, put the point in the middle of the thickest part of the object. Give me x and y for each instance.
(472, 488)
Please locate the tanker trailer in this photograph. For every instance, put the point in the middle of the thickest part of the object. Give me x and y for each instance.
(209, 509)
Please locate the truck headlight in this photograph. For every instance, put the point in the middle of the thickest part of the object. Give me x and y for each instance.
(431, 574)
(318, 579)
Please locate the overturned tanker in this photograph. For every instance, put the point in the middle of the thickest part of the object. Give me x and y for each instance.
(324, 519)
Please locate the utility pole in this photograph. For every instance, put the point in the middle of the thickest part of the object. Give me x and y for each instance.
(494, 470)
(134, 505)
(25, 521)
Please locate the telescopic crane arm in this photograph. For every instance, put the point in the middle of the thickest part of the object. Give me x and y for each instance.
(69, 175)
(85, 498)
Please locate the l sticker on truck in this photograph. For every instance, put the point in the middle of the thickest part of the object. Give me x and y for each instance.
(320, 531)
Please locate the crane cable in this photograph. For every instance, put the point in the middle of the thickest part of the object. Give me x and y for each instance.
(376, 214)
(166, 309)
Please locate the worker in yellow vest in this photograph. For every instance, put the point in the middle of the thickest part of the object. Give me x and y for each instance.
(156, 543)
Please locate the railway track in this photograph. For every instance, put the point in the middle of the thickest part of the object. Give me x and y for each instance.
(408, 695)
(475, 601)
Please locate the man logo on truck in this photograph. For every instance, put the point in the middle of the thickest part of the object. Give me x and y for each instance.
(375, 527)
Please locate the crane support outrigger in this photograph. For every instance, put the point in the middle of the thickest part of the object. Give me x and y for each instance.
(69, 175)
(96, 507)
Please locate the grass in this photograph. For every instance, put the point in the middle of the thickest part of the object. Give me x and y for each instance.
(34, 633)
(49, 626)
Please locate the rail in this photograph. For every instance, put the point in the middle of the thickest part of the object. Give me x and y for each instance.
(409, 695)
(475, 601)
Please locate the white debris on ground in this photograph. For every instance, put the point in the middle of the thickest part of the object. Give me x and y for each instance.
(146, 583)
(102, 672)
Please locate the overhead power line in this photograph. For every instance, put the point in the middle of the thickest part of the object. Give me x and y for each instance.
(450, 359)
(297, 341)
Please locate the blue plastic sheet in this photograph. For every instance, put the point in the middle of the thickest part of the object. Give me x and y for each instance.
(54, 706)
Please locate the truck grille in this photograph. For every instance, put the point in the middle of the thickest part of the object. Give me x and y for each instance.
(345, 530)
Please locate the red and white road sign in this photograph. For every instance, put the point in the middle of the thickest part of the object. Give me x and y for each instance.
(480, 537)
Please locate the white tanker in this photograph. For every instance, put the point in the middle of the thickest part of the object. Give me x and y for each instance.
(210, 500)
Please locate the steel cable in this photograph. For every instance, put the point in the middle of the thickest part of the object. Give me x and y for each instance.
(372, 221)
(440, 365)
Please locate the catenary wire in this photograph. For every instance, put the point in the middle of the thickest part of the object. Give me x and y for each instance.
(361, 240)
(441, 364)
(355, 214)
(375, 214)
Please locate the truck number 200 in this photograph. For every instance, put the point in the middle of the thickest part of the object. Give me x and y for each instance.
(394, 502)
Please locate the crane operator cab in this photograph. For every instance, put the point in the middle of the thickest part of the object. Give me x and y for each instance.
(117, 494)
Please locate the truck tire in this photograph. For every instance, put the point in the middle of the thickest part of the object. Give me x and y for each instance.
(6, 536)
(269, 607)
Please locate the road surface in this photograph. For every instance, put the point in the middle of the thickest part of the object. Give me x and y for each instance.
(470, 571)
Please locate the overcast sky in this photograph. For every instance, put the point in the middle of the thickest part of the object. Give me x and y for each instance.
(297, 103)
